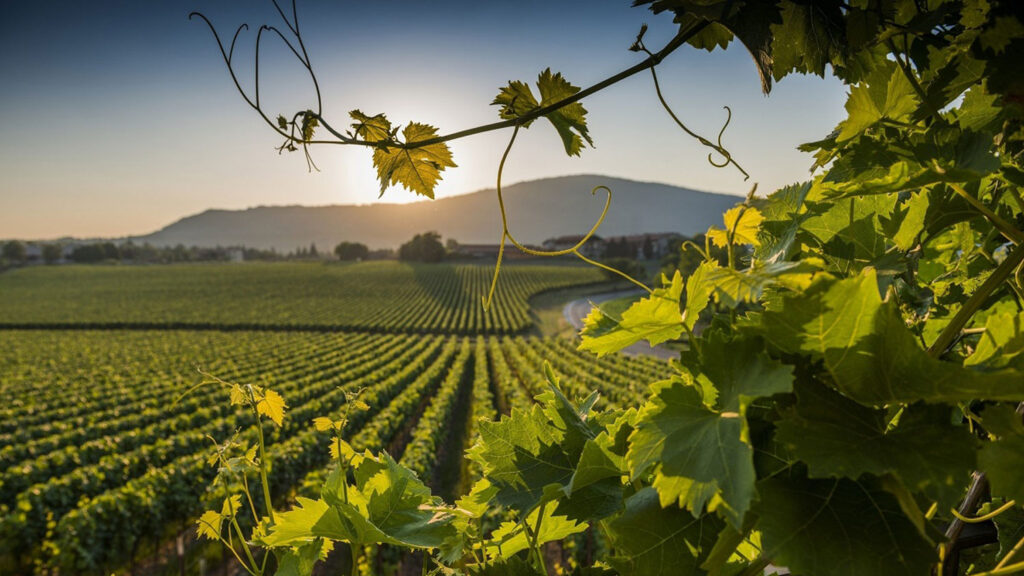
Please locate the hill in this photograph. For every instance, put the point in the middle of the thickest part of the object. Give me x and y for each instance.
(537, 210)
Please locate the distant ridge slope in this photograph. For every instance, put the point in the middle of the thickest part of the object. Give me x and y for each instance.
(537, 210)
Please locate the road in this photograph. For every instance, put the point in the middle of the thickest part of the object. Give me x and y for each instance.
(577, 310)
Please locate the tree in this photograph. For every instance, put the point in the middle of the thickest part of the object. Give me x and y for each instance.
(52, 253)
(426, 247)
(855, 400)
(351, 251)
(14, 252)
(92, 253)
(312, 251)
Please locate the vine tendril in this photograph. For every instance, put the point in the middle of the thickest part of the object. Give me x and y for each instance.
(506, 234)
(716, 148)
(985, 517)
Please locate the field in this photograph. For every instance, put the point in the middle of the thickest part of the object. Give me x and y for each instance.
(100, 467)
(373, 296)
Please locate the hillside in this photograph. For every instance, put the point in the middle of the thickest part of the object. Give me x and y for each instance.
(537, 210)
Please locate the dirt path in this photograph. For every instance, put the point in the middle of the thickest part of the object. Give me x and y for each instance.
(577, 310)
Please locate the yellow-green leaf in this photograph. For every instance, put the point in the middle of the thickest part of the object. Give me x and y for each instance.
(371, 128)
(238, 396)
(272, 406)
(209, 525)
(570, 121)
(416, 169)
(741, 224)
(323, 424)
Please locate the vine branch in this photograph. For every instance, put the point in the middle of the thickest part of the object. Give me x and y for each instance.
(651, 61)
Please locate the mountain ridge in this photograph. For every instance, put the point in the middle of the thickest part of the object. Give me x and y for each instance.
(536, 209)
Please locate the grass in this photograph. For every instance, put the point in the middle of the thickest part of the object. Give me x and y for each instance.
(546, 308)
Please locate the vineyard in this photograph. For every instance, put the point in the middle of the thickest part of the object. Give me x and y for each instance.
(372, 296)
(100, 467)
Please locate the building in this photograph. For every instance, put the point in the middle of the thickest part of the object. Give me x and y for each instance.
(593, 248)
(642, 246)
(488, 251)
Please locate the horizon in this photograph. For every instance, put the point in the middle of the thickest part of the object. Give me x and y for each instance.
(141, 235)
(151, 129)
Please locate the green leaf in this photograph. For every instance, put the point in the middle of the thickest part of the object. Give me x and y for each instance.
(399, 505)
(533, 457)
(839, 528)
(783, 213)
(696, 452)
(1001, 459)
(416, 169)
(514, 566)
(699, 289)
(510, 538)
(739, 383)
(298, 525)
(299, 561)
(836, 437)
(516, 100)
(868, 350)
(697, 439)
(734, 287)
(653, 541)
(656, 319)
(388, 505)
(570, 121)
(886, 93)
(807, 39)
(1001, 344)
(521, 455)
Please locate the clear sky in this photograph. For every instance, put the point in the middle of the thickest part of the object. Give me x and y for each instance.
(118, 117)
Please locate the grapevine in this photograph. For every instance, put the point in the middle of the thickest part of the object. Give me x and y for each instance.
(853, 400)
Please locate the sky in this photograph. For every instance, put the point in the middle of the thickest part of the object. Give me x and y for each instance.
(119, 117)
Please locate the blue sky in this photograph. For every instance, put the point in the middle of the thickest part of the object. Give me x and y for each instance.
(119, 117)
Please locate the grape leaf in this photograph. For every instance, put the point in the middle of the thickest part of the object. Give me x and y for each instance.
(737, 383)
(840, 528)
(741, 223)
(510, 537)
(885, 93)
(272, 406)
(698, 291)
(653, 541)
(696, 452)
(299, 561)
(371, 128)
(733, 287)
(211, 522)
(532, 457)
(520, 455)
(783, 214)
(837, 437)
(697, 440)
(387, 505)
(807, 38)
(868, 350)
(1001, 459)
(514, 566)
(1002, 342)
(516, 99)
(416, 169)
(655, 319)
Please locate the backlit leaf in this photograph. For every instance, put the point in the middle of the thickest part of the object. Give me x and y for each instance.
(416, 169)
